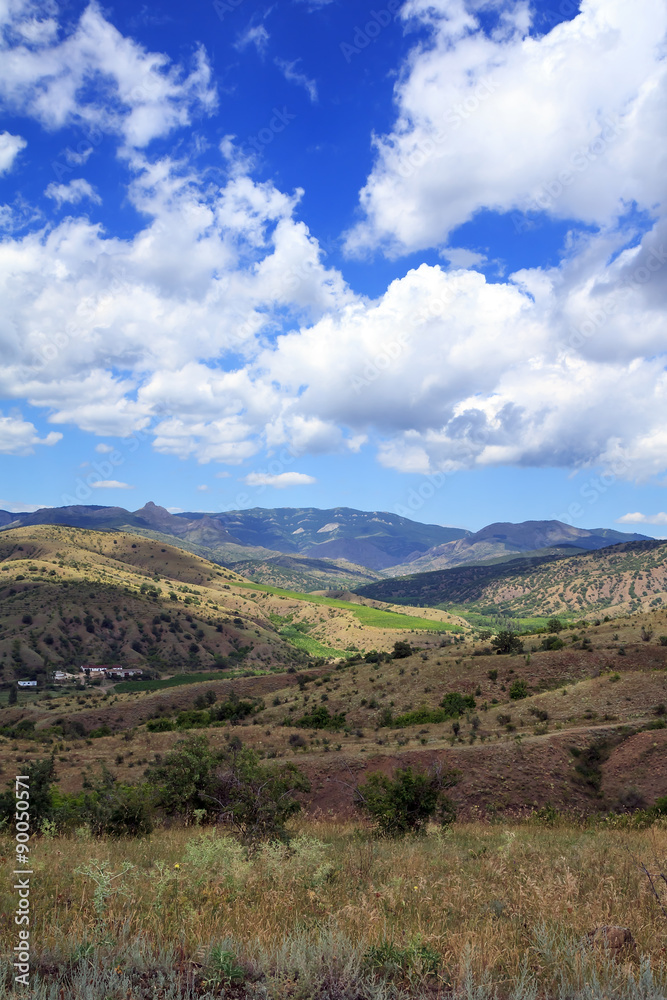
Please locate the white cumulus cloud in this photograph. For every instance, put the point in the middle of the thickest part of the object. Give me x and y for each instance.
(567, 123)
(281, 481)
(10, 147)
(637, 518)
(19, 437)
(100, 79)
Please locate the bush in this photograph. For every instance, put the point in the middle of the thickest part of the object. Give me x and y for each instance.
(555, 625)
(256, 799)
(159, 725)
(507, 641)
(456, 704)
(114, 809)
(229, 785)
(552, 642)
(320, 718)
(405, 802)
(401, 650)
(518, 690)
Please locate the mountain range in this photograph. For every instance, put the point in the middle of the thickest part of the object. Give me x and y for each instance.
(317, 549)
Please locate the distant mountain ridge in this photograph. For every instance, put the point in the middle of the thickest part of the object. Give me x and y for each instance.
(504, 539)
(377, 541)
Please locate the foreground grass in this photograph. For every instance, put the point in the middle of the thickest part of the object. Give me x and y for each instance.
(478, 910)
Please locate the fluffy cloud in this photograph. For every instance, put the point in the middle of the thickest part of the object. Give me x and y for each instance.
(130, 92)
(10, 147)
(72, 193)
(19, 437)
(637, 518)
(281, 481)
(218, 330)
(567, 123)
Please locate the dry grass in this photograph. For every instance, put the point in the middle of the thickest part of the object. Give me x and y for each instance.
(495, 902)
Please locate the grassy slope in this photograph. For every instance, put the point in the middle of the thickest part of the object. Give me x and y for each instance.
(371, 616)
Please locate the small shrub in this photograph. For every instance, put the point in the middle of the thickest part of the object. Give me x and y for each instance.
(518, 690)
(405, 802)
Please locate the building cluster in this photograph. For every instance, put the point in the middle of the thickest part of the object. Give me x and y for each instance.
(114, 673)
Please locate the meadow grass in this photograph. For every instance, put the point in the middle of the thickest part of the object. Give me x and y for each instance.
(372, 617)
(472, 911)
(178, 680)
(307, 643)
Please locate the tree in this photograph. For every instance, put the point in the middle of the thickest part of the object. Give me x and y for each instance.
(507, 641)
(456, 704)
(405, 802)
(231, 785)
(13, 695)
(41, 778)
(256, 799)
(401, 650)
(555, 625)
(184, 777)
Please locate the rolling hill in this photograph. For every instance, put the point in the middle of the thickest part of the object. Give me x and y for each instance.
(626, 577)
(70, 596)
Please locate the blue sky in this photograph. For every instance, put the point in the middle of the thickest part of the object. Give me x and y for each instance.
(406, 256)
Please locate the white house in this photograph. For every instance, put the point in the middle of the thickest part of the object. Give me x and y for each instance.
(123, 672)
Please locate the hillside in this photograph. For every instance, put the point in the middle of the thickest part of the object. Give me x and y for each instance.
(603, 698)
(628, 577)
(70, 596)
(503, 540)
